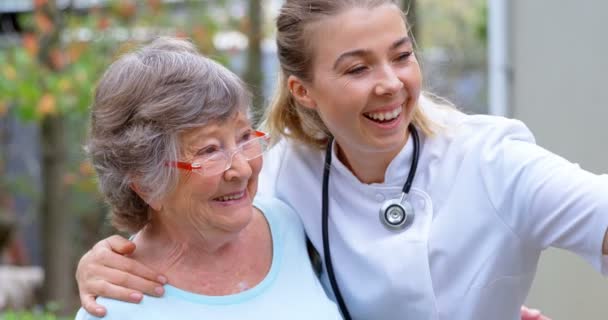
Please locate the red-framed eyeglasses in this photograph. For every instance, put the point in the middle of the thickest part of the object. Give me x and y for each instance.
(221, 160)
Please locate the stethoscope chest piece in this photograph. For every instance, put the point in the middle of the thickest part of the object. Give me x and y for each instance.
(396, 214)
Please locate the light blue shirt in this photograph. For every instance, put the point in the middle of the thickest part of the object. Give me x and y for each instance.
(290, 290)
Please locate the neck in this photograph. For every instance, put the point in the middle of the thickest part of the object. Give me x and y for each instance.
(166, 246)
(368, 167)
(207, 264)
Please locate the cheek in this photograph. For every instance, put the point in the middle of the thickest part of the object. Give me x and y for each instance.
(202, 188)
(412, 78)
(256, 167)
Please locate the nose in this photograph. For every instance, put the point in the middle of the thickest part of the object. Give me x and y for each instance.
(388, 82)
(239, 168)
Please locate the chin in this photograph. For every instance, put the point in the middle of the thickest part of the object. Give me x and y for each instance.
(392, 142)
(239, 220)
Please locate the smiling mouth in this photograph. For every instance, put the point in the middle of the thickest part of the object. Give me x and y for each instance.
(384, 117)
(232, 197)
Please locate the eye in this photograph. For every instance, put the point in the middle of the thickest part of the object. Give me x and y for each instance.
(208, 150)
(248, 135)
(356, 70)
(404, 56)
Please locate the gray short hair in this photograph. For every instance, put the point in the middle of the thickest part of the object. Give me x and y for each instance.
(142, 104)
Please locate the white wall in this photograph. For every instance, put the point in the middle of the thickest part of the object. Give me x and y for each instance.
(559, 54)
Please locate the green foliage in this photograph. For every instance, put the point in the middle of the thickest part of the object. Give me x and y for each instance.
(453, 25)
(49, 313)
(481, 23)
(90, 43)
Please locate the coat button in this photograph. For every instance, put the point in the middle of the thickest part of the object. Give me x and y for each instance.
(379, 197)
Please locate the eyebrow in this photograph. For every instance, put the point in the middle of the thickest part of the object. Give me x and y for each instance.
(362, 52)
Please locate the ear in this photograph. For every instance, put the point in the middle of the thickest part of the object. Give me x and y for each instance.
(300, 93)
(155, 204)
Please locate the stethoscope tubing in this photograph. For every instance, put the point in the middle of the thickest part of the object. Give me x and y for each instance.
(325, 215)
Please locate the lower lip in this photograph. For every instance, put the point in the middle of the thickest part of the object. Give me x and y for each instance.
(240, 201)
(387, 125)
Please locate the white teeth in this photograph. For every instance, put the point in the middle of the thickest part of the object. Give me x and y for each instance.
(381, 116)
(232, 197)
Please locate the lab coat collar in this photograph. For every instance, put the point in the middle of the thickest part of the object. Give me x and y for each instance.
(396, 172)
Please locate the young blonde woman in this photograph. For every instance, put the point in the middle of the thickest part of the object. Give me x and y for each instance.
(417, 210)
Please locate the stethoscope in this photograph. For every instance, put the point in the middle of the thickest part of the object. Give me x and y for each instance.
(395, 214)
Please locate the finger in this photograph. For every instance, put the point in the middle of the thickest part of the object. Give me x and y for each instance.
(116, 261)
(118, 244)
(112, 291)
(130, 282)
(530, 314)
(91, 306)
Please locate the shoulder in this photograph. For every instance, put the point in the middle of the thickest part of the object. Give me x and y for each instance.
(285, 162)
(278, 213)
(454, 128)
(289, 150)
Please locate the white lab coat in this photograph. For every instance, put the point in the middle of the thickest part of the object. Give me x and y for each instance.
(488, 200)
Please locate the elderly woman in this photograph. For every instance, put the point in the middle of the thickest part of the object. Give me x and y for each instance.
(178, 162)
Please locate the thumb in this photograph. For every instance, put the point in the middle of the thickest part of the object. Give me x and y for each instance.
(119, 245)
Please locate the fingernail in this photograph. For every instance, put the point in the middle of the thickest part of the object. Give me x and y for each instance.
(162, 279)
(135, 296)
(99, 311)
(159, 290)
(535, 312)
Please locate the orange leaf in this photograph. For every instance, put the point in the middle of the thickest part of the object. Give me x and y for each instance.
(3, 108)
(75, 50)
(155, 5)
(199, 33)
(40, 3)
(126, 9)
(103, 23)
(30, 43)
(69, 179)
(43, 22)
(57, 59)
(86, 169)
(47, 104)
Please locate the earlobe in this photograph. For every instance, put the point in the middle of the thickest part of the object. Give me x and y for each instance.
(300, 93)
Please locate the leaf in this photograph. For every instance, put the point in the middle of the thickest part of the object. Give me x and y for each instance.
(43, 22)
(3, 108)
(103, 23)
(86, 168)
(30, 43)
(57, 59)
(40, 3)
(47, 105)
(64, 85)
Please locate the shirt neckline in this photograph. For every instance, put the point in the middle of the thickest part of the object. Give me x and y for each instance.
(249, 294)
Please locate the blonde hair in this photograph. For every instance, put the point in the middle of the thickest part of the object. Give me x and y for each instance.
(285, 117)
